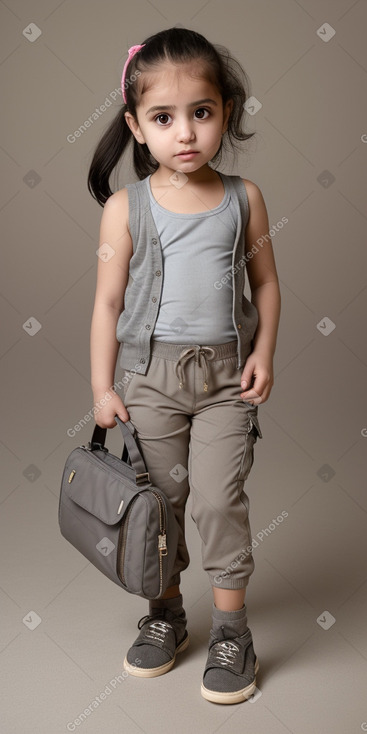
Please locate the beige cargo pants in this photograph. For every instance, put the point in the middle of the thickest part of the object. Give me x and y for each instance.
(197, 436)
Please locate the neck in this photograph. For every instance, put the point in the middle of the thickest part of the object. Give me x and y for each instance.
(205, 174)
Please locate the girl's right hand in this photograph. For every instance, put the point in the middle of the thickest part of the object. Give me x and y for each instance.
(105, 414)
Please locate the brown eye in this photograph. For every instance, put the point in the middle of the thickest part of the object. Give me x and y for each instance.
(202, 110)
(164, 121)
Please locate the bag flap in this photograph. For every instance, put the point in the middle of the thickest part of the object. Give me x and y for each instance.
(92, 485)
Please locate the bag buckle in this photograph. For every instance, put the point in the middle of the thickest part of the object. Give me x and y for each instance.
(93, 446)
(142, 478)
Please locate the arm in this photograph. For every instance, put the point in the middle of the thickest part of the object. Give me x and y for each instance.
(112, 277)
(265, 295)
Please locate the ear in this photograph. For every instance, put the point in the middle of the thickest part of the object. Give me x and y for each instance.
(134, 127)
(227, 109)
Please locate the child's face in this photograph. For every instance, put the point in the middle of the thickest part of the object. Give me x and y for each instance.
(180, 125)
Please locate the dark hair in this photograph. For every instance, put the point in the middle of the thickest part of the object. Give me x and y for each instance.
(178, 46)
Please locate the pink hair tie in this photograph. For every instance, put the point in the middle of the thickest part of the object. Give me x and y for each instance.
(132, 51)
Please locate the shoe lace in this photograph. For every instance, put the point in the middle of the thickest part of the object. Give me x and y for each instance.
(225, 650)
(157, 628)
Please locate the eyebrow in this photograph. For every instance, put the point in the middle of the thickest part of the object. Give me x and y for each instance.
(172, 107)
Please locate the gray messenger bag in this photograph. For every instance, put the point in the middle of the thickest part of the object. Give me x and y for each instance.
(112, 514)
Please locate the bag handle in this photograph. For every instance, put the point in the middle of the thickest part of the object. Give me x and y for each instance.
(131, 449)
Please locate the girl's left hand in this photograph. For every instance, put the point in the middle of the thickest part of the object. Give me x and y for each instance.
(257, 378)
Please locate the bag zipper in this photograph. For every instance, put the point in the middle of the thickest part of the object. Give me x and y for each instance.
(122, 542)
(162, 539)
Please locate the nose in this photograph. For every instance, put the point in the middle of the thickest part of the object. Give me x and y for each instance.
(185, 131)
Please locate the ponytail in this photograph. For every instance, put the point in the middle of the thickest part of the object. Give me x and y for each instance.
(108, 153)
(106, 157)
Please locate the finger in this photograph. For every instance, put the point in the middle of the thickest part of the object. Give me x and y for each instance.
(254, 392)
(247, 376)
(254, 400)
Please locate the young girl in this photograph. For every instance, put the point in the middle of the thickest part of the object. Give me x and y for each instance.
(197, 352)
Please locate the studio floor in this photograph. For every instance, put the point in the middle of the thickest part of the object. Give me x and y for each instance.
(64, 637)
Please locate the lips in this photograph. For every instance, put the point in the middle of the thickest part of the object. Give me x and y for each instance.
(186, 152)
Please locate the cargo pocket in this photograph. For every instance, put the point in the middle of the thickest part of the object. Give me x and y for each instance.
(253, 432)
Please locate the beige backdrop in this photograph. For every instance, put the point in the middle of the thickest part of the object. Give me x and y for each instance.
(65, 628)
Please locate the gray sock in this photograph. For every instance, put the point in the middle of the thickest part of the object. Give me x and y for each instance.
(234, 622)
(175, 614)
(175, 604)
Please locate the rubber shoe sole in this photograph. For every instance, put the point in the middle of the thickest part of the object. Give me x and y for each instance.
(161, 669)
(231, 696)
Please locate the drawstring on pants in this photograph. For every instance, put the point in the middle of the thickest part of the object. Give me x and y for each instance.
(203, 353)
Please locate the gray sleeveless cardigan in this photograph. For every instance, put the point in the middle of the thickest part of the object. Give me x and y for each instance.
(143, 291)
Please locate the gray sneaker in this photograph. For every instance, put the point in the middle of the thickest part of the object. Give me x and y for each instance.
(163, 635)
(231, 667)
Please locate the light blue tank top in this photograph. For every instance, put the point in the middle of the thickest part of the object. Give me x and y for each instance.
(197, 252)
